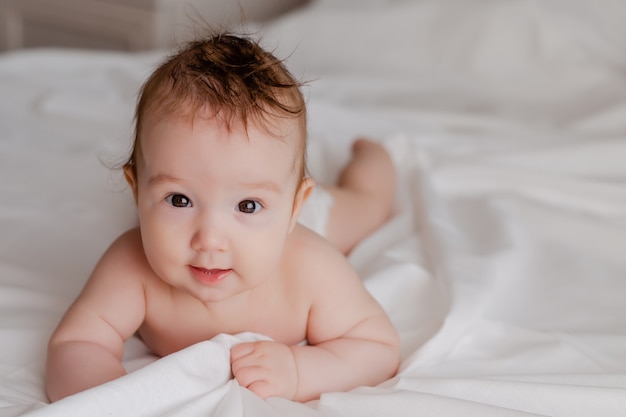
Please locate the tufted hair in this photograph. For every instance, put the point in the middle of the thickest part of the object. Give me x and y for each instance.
(225, 76)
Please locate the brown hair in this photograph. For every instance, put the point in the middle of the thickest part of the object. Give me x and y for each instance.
(229, 75)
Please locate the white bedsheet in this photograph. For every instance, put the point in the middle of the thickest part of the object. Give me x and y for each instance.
(504, 269)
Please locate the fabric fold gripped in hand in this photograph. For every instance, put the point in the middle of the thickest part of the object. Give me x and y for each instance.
(197, 379)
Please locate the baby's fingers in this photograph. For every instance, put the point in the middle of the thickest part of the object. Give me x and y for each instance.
(247, 376)
(257, 380)
(246, 367)
(263, 389)
(241, 350)
(266, 368)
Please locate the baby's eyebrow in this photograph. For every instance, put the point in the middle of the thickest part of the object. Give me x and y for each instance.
(264, 185)
(253, 185)
(159, 178)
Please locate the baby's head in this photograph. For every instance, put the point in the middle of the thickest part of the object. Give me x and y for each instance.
(217, 166)
(229, 78)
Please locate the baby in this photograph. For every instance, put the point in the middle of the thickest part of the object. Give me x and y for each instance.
(219, 179)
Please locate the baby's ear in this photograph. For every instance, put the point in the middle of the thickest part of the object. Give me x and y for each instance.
(302, 194)
(131, 179)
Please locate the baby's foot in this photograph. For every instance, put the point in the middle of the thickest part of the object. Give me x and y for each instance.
(370, 151)
(371, 172)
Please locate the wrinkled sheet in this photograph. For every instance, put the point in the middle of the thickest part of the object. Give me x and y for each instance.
(503, 269)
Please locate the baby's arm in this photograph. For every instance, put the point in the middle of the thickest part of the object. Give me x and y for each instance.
(86, 348)
(351, 340)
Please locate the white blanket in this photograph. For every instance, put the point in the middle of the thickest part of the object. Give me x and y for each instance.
(196, 381)
(503, 270)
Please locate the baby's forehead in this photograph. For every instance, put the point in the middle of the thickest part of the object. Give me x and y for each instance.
(287, 131)
(272, 122)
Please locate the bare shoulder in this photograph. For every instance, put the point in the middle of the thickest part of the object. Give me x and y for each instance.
(113, 299)
(303, 240)
(127, 246)
(339, 300)
(309, 254)
(122, 266)
(124, 258)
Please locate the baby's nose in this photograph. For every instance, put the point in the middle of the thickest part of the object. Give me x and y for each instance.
(210, 235)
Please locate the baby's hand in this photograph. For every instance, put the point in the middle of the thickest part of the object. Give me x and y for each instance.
(266, 368)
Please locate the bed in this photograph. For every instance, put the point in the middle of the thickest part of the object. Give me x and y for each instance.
(504, 268)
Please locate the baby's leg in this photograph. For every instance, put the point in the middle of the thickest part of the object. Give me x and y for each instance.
(363, 197)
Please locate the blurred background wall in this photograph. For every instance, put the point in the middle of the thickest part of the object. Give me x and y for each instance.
(123, 24)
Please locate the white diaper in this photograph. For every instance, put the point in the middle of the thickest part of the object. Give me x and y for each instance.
(401, 148)
(314, 214)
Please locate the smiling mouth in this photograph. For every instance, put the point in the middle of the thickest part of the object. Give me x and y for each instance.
(209, 276)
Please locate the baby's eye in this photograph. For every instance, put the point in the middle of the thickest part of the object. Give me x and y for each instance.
(178, 200)
(249, 206)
